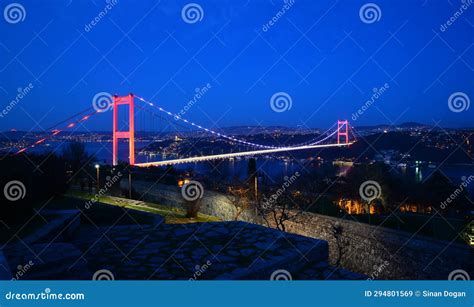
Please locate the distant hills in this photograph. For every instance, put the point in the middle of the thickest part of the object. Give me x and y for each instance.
(244, 130)
(407, 125)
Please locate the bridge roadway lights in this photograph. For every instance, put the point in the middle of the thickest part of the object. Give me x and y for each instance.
(230, 155)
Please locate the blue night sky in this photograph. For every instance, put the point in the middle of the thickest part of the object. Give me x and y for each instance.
(318, 52)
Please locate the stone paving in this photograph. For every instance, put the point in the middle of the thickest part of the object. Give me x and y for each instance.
(221, 250)
(46, 261)
(197, 251)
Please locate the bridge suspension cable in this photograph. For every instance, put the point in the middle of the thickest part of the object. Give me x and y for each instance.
(177, 117)
(313, 141)
(55, 132)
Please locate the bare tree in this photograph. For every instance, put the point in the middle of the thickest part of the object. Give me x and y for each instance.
(239, 197)
(277, 210)
(342, 243)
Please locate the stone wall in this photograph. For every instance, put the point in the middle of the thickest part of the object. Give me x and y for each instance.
(383, 253)
(212, 203)
(378, 252)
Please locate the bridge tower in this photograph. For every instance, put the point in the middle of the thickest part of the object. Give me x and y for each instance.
(342, 131)
(130, 134)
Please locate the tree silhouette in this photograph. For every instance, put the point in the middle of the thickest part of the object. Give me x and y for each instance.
(77, 159)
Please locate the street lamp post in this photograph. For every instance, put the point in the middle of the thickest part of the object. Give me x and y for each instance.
(130, 184)
(97, 167)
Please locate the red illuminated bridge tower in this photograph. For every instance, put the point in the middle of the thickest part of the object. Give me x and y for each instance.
(342, 131)
(130, 134)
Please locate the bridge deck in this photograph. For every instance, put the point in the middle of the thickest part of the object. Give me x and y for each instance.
(236, 154)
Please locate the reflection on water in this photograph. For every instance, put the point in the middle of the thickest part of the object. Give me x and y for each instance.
(273, 169)
(418, 174)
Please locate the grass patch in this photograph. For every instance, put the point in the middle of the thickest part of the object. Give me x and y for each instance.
(172, 215)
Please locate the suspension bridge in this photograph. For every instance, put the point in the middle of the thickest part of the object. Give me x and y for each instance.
(338, 135)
